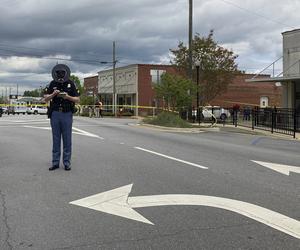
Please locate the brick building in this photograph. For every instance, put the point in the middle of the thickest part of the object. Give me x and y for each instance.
(250, 94)
(90, 86)
(134, 86)
(290, 75)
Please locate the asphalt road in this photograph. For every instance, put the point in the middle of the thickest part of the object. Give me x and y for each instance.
(213, 167)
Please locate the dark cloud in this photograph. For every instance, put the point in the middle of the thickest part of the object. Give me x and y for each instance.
(144, 31)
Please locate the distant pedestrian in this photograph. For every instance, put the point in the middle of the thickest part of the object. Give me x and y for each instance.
(91, 111)
(119, 114)
(246, 113)
(98, 109)
(194, 114)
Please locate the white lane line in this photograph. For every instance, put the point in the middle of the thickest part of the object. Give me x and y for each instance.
(172, 158)
(25, 121)
(82, 132)
(46, 128)
(77, 131)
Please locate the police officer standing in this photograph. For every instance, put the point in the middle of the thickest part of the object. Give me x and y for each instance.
(63, 95)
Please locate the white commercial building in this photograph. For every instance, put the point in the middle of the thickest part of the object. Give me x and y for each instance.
(290, 75)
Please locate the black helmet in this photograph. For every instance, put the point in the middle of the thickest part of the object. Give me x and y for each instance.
(61, 73)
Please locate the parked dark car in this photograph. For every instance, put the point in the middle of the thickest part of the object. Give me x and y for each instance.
(1, 111)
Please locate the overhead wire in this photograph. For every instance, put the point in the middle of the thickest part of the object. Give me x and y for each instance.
(257, 14)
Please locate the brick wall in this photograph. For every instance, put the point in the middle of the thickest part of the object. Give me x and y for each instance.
(90, 84)
(246, 94)
(145, 87)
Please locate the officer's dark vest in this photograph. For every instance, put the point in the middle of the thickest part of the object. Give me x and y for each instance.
(59, 103)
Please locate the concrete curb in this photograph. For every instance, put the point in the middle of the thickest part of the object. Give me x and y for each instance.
(179, 130)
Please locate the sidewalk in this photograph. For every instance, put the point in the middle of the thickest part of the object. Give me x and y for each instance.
(240, 129)
(219, 128)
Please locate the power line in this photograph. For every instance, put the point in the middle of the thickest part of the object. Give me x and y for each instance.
(257, 14)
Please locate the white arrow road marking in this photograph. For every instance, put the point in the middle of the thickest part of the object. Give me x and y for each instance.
(172, 158)
(77, 131)
(283, 169)
(112, 202)
(118, 203)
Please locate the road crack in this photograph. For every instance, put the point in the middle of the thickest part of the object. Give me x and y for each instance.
(5, 220)
(154, 237)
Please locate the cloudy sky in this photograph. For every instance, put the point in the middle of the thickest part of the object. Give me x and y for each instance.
(36, 34)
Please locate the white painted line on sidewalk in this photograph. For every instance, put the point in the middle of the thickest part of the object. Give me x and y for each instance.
(171, 158)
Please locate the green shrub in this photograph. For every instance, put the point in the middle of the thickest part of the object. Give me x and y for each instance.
(168, 119)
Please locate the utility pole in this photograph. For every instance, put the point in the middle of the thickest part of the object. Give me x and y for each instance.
(114, 80)
(190, 58)
(114, 92)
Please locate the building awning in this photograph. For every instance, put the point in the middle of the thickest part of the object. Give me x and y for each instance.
(274, 79)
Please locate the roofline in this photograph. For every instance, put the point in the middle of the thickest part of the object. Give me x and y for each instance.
(290, 31)
(274, 79)
(90, 77)
(254, 74)
(136, 65)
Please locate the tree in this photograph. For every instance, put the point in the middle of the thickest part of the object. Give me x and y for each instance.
(176, 91)
(86, 100)
(32, 93)
(76, 80)
(217, 69)
(2, 100)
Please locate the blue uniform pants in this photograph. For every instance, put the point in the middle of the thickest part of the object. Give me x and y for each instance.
(61, 124)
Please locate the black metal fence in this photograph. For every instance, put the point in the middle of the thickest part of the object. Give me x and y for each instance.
(275, 120)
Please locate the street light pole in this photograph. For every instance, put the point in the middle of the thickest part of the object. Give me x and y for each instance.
(190, 56)
(114, 80)
(114, 92)
(198, 63)
(197, 67)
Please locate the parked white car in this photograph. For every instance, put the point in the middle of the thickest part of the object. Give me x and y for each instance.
(37, 109)
(17, 109)
(216, 111)
(4, 110)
